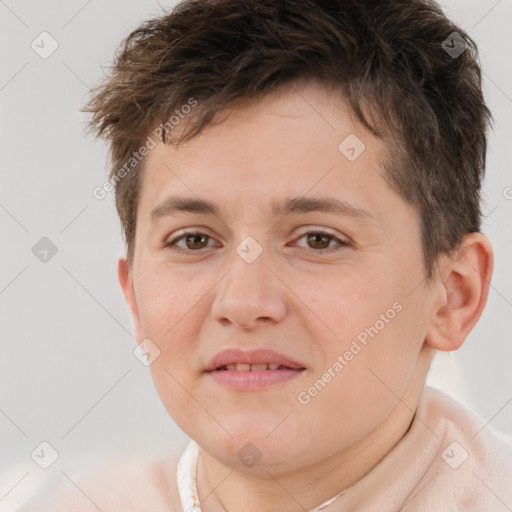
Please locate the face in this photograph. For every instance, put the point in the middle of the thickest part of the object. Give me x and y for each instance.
(330, 289)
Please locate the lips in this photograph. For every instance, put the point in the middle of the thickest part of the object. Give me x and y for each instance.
(250, 371)
(253, 360)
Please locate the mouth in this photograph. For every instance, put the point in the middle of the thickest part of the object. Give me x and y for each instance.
(235, 359)
(254, 380)
(243, 367)
(253, 370)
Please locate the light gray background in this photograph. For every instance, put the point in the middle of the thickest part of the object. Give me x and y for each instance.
(68, 374)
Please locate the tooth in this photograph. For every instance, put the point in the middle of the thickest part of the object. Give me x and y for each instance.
(259, 366)
(273, 366)
(231, 366)
(243, 367)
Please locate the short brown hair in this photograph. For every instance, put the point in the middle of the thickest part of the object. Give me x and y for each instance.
(390, 59)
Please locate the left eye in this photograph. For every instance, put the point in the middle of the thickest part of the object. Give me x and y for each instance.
(317, 238)
(320, 238)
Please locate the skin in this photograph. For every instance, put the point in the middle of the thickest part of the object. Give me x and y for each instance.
(293, 298)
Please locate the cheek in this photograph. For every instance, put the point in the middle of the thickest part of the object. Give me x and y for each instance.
(379, 333)
(384, 367)
(342, 296)
(362, 394)
(349, 304)
(169, 303)
(172, 312)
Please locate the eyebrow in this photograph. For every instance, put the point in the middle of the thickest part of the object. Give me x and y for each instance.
(173, 205)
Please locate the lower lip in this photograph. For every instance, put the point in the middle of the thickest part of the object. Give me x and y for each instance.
(253, 379)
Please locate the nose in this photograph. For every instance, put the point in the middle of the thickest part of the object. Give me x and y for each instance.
(251, 294)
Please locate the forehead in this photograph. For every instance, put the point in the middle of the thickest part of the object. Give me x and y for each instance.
(297, 142)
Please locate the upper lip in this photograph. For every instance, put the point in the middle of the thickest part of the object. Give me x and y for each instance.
(260, 356)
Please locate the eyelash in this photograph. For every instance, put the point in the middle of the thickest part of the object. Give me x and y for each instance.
(173, 247)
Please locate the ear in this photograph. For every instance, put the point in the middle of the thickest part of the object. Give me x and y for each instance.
(463, 283)
(126, 281)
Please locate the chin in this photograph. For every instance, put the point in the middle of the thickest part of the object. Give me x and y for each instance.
(253, 448)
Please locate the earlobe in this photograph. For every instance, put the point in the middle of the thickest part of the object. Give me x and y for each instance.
(462, 293)
(126, 282)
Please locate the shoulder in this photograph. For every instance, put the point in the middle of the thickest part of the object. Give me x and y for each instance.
(147, 483)
(474, 460)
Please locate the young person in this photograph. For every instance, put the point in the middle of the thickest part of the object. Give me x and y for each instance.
(298, 183)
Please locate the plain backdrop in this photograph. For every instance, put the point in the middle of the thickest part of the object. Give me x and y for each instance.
(68, 375)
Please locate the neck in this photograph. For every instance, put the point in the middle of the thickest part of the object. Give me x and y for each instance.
(222, 488)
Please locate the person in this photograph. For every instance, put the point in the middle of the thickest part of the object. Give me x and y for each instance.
(298, 183)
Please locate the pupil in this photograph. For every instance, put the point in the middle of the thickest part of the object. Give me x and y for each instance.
(315, 238)
(196, 238)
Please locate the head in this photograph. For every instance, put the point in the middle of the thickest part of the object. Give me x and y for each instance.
(248, 112)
